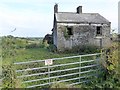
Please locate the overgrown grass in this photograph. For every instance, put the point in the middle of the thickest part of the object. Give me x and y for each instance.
(22, 49)
(17, 50)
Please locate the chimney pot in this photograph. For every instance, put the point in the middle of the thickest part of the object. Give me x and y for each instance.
(79, 9)
(55, 8)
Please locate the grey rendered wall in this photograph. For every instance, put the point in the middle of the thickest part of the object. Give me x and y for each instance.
(82, 35)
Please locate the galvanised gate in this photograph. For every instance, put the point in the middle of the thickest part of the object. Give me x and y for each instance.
(71, 70)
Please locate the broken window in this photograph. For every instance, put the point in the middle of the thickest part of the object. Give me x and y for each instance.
(69, 30)
(99, 30)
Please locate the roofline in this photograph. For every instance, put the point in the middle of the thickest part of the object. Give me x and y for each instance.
(81, 22)
(77, 13)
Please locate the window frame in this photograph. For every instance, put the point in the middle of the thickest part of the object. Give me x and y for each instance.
(99, 31)
(69, 30)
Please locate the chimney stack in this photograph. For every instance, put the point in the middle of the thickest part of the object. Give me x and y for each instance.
(55, 8)
(79, 9)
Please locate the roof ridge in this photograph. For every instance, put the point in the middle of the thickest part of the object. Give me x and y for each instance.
(67, 12)
(77, 13)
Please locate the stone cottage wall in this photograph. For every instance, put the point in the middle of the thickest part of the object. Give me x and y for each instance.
(82, 34)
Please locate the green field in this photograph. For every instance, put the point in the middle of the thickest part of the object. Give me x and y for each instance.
(17, 49)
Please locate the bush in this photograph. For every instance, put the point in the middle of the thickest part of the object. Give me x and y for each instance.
(45, 43)
(9, 77)
(52, 48)
(110, 77)
(112, 60)
(33, 45)
(86, 49)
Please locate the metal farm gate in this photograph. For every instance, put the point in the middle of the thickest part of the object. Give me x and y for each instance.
(71, 70)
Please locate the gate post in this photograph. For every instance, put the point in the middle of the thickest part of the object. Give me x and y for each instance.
(49, 73)
(103, 57)
(79, 69)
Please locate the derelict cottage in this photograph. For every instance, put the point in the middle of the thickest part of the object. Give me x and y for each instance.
(77, 28)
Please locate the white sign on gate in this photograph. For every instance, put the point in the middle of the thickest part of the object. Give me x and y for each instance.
(48, 62)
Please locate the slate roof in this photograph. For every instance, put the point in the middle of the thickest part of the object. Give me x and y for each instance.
(69, 17)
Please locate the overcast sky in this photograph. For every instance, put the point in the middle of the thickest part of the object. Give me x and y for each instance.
(34, 18)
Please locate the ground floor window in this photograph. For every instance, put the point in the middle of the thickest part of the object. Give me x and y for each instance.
(98, 30)
(70, 30)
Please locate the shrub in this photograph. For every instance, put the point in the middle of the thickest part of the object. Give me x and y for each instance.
(46, 45)
(48, 38)
(33, 45)
(52, 48)
(86, 49)
(110, 77)
(112, 60)
(9, 77)
(41, 46)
